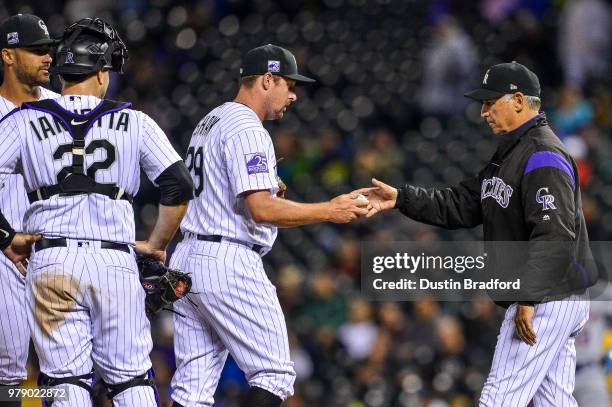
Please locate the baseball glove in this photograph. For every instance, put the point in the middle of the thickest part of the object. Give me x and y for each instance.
(162, 285)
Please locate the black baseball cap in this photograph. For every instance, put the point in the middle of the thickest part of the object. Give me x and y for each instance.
(24, 30)
(502, 79)
(273, 59)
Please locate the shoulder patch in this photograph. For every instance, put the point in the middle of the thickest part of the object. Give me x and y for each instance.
(256, 163)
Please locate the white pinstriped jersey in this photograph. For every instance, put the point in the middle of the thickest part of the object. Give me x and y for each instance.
(29, 139)
(13, 199)
(589, 343)
(230, 152)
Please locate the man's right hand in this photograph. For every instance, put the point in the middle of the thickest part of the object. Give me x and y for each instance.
(382, 197)
(346, 208)
(20, 249)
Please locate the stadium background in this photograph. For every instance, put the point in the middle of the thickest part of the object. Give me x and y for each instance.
(388, 103)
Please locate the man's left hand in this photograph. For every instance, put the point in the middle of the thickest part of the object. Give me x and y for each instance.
(145, 247)
(524, 323)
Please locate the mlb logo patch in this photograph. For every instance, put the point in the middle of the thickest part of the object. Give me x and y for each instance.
(273, 66)
(256, 163)
(12, 38)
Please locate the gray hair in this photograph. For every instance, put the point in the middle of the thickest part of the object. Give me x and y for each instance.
(533, 102)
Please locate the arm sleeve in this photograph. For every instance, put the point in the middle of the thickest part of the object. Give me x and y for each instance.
(451, 208)
(156, 153)
(175, 185)
(548, 190)
(250, 160)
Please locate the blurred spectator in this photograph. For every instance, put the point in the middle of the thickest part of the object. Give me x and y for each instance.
(323, 309)
(348, 256)
(333, 158)
(359, 333)
(303, 363)
(449, 63)
(496, 11)
(379, 157)
(289, 284)
(585, 38)
(572, 113)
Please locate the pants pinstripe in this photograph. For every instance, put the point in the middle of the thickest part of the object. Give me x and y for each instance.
(14, 330)
(233, 308)
(88, 304)
(545, 372)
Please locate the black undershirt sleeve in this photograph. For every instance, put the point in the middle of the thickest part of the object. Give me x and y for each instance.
(6, 232)
(175, 185)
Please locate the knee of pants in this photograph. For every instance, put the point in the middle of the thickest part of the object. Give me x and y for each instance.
(145, 380)
(279, 382)
(76, 389)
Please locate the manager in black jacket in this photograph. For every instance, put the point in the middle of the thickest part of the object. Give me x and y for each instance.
(528, 192)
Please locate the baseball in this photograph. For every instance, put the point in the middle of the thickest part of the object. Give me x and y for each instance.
(361, 197)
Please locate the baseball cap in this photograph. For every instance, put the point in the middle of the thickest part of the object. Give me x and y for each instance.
(506, 78)
(273, 59)
(24, 30)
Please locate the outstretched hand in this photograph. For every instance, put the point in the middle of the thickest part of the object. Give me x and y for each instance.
(382, 197)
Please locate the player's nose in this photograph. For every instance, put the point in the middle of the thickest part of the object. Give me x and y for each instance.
(292, 96)
(484, 111)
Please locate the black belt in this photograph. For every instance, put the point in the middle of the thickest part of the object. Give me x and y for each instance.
(111, 191)
(61, 242)
(257, 248)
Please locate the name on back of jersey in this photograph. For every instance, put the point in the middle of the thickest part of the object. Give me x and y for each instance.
(48, 125)
(205, 125)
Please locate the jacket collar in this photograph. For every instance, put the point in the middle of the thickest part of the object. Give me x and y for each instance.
(508, 140)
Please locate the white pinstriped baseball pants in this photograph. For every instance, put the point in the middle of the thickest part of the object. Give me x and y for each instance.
(545, 372)
(14, 330)
(235, 309)
(84, 304)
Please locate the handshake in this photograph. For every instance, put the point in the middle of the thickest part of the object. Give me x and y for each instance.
(363, 202)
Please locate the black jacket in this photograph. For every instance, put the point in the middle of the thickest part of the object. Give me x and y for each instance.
(528, 192)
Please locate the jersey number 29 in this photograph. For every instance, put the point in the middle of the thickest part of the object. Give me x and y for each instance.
(195, 163)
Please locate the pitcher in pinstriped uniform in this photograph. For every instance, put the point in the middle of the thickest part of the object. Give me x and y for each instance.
(231, 223)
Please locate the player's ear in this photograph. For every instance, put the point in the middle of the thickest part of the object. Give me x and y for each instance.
(518, 102)
(8, 56)
(100, 77)
(267, 80)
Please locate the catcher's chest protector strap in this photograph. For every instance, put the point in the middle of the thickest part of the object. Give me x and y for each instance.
(74, 180)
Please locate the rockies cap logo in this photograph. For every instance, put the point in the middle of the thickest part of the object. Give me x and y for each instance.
(69, 57)
(484, 81)
(42, 25)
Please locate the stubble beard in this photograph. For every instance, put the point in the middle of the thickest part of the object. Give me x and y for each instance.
(29, 78)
